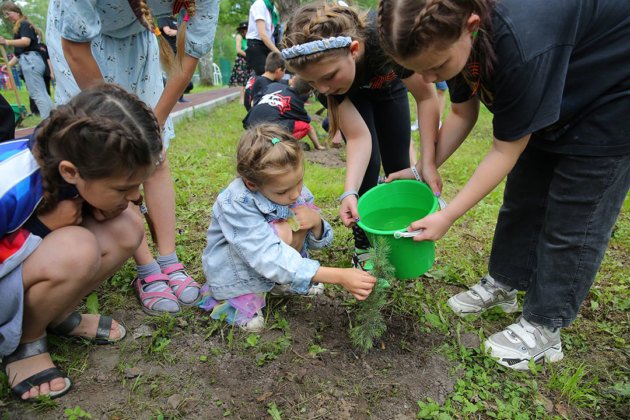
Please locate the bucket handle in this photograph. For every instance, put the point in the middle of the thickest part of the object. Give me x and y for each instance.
(404, 234)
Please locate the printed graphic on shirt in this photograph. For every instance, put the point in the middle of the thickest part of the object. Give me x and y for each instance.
(275, 99)
(378, 82)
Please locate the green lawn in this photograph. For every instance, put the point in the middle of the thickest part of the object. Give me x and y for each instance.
(592, 381)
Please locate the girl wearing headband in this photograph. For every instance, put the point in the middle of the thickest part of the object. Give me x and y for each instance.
(335, 48)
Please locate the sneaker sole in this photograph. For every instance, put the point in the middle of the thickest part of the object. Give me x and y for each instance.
(551, 355)
(506, 307)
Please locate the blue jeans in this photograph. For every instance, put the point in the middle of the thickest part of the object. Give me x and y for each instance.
(553, 229)
(33, 68)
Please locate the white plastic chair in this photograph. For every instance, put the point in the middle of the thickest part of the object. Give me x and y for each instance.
(216, 75)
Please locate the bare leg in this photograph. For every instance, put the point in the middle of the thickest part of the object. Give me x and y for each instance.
(56, 279)
(312, 134)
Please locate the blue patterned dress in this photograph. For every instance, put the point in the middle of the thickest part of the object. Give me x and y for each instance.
(127, 53)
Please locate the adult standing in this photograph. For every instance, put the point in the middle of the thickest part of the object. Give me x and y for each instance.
(241, 70)
(261, 29)
(562, 141)
(117, 41)
(26, 48)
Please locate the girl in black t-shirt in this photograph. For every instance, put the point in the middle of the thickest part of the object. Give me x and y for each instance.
(26, 48)
(562, 141)
(336, 49)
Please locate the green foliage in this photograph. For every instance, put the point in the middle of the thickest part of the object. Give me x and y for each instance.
(76, 413)
(273, 411)
(91, 304)
(369, 324)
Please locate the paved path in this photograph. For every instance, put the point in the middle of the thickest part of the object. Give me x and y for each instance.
(198, 101)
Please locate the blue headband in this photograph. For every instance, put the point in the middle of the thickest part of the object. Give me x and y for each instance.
(313, 47)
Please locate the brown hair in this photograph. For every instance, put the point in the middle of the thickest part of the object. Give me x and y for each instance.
(301, 87)
(321, 20)
(143, 12)
(274, 61)
(259, 159)
(104, 131)
(9, 6)
(410, 27)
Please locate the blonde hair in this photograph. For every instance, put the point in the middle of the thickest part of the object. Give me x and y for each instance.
(259, 157)
(321, 20)
(143, 12)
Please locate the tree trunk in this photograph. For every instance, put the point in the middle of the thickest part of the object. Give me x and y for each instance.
(205, 70)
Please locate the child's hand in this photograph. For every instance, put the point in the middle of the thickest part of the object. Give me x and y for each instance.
(307, 217)
(431, 176)
(65, 213)
(358, 282)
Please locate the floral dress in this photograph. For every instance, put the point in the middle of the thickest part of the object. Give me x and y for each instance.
(241, 71)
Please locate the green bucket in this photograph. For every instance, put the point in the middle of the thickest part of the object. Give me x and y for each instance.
(389, 208)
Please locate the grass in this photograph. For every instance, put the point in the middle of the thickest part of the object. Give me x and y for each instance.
(592, 381)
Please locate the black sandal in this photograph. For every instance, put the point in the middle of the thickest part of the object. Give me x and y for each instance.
(65, 327)
(24, 351)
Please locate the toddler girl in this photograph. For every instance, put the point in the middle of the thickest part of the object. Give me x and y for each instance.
(262, 226)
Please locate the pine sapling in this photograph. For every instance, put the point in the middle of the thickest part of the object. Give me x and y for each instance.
(369, 324)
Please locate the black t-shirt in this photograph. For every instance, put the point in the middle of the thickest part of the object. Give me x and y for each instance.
(562, 73)
(280, 104)
(26, 30)
(170, 22)
(259, 88)
(376, 70)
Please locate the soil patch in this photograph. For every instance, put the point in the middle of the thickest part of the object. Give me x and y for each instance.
(330, 158)
(303, 365)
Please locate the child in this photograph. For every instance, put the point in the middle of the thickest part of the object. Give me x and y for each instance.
(335, 48)
(262, 226)
(65, 226)
(284, 105)
(115, 40)
(561, 140)
(274, 72)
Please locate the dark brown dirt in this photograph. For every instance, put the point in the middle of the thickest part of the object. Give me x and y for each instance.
(208, 371)
(330, 158)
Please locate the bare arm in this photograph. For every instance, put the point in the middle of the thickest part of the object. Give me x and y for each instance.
(20, 43)
(262, 33)
(457, 125)
(493, 168)
(429, 120)
(239, 42)
(359, 150)
(82, 63)
(174, 88)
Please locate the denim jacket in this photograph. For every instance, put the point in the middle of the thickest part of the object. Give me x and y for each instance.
(244, 255)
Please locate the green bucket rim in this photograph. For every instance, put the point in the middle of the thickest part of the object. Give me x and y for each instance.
(385, 185)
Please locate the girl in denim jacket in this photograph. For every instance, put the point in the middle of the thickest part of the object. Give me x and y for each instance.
(262, 226)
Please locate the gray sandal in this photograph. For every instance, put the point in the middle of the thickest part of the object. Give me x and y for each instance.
(65, 327)
(26, 350)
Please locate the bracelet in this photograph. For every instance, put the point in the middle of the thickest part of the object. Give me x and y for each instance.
(415, 173)
(346, 194)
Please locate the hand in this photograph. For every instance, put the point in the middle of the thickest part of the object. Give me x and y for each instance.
(358, 282)
(402, 174)
(431, 176)
(308, 218)
(3, 41)
(65, 213)
(348, 211)
(434, 226)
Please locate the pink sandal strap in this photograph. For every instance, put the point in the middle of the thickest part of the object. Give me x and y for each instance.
(172, 268)
(180, 285)
(148, 299)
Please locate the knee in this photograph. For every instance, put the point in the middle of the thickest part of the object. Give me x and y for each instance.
(79, 255)
(128, 231)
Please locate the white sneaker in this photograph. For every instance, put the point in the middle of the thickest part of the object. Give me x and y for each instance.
(255, 325)
(519, 343)
(483, 296)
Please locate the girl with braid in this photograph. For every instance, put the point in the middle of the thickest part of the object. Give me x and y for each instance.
(118, 41)
(336, 49)
(562, 141)
(66, 226)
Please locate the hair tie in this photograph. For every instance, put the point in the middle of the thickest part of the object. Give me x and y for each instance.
(157, 31)
(275, 140)
(313, 47)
